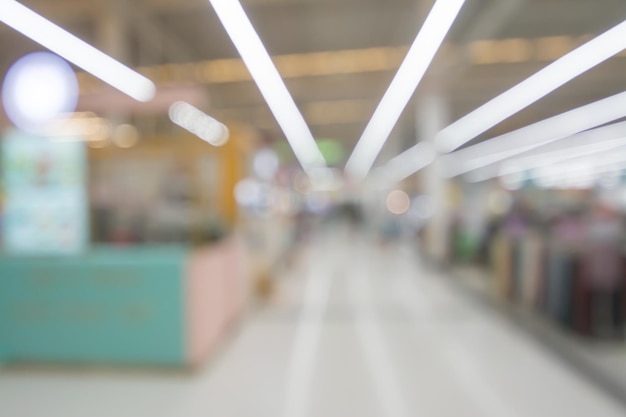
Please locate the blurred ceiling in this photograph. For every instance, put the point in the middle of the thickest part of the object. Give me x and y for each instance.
(339, 56)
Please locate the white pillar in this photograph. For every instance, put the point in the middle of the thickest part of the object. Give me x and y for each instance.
(432, 115)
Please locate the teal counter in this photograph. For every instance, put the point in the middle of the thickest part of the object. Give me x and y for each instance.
(117, 306)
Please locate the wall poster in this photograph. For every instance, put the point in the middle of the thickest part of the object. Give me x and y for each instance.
(45, 199)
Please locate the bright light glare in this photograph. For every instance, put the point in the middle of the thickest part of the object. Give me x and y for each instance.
(125, 136)
(249, 192)
(403, 86)
(38, 89)
(398, 202)
(423, 207)
(406, 163)
(78, 52)
(325, 179)
(266, 164)
(195, 121)
(591, 142)
(540, 84)
(537, 134)
(271, 85)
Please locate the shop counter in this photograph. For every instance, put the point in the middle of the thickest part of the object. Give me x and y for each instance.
(155, 306)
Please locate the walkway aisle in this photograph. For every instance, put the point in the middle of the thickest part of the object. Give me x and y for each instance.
(427, 350)
(360, 330)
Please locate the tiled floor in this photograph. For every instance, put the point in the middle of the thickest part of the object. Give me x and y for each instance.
(357, 330)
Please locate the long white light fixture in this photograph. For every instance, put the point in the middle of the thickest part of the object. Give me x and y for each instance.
(591, 142)
(533, 88)
(535, 135)
(271, 85)
(200, 124)
(404, 164)
(550, 159)
(403, 86)
(80, 53)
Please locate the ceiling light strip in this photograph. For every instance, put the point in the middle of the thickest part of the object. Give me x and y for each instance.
(271, 85)
(403, 86)
(555, 75)
(592, 142)
(529, 91)
(80, 53)
(404, 164)
(535, 135)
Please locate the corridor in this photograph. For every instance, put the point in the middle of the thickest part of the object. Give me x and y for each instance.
(357, 328)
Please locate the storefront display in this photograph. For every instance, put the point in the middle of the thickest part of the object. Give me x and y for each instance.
(561, 254)
(129, 260)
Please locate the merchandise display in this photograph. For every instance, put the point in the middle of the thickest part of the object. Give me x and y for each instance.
(564, 259)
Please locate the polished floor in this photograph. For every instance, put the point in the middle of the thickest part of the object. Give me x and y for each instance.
(356, 329)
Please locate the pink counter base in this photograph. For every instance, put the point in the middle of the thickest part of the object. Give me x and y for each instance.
(215, 295)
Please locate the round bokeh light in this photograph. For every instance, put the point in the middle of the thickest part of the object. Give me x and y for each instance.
(398, 202)
(38, 89)
(266, 164)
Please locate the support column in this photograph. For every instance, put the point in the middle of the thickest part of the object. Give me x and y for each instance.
(112, 30)
(432, 115)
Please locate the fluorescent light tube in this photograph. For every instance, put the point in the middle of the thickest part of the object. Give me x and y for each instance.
(271, 85)
(521, 165)
(532, 89)
(591, 142)
(537, 134)
(200, 124)
(80, 53)
(403, 86)
(405, 164)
